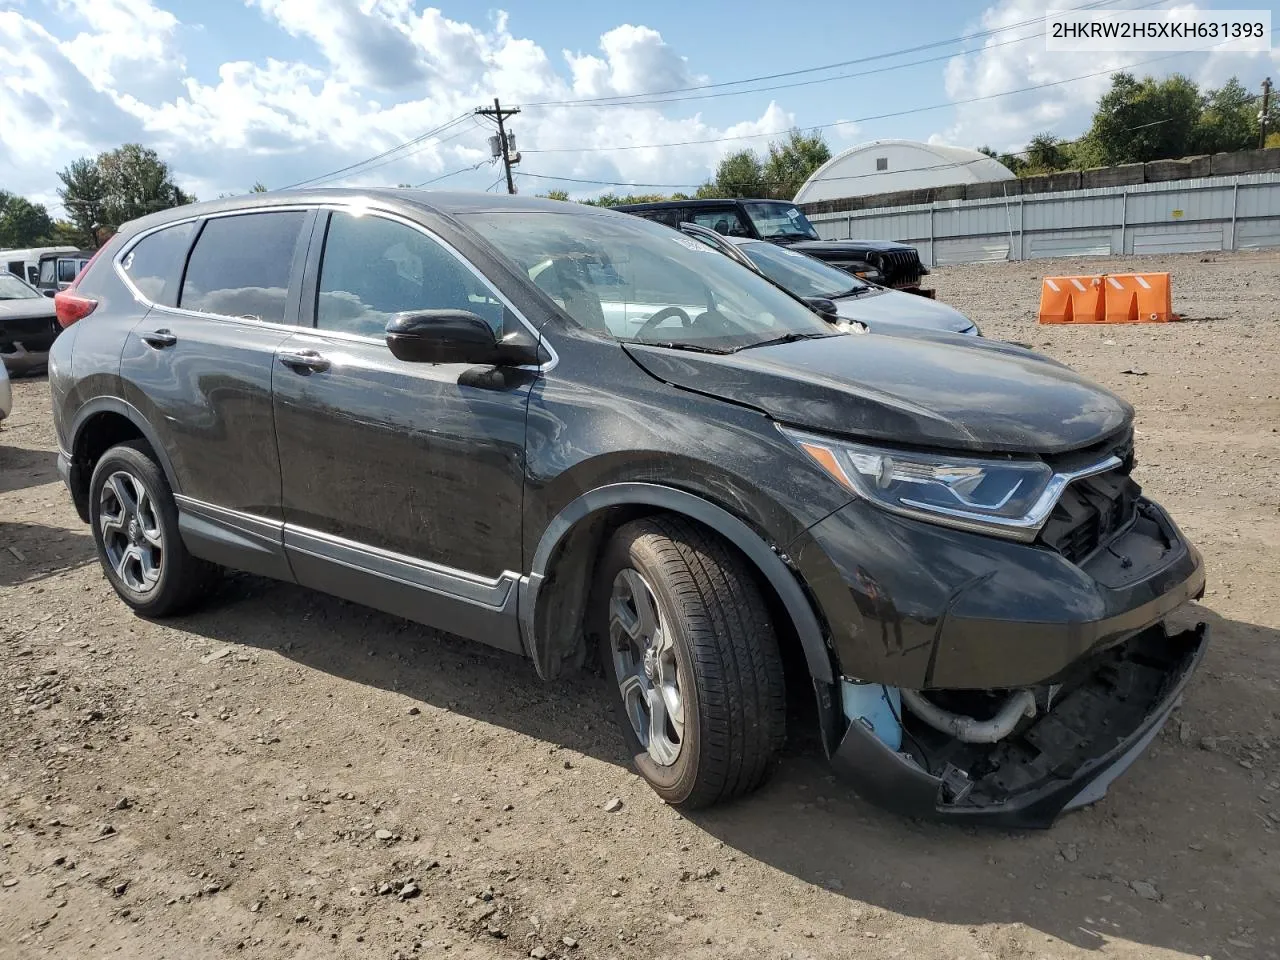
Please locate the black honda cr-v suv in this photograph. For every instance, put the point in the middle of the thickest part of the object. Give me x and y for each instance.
(547, 426)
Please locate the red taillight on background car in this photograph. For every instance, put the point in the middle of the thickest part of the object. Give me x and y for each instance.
(69, 305)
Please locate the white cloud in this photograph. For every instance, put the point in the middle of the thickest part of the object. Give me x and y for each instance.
(636, 60)
(377, 73)
(1065, 109)
(128, 44)
(1009, 122)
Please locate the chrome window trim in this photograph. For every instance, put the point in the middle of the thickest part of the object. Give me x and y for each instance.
(364, 206)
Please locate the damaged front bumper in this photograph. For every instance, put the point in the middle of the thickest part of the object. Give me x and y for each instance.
(1099, 723)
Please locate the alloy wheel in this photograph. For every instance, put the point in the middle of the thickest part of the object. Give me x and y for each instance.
(131, 534)
(644, 662)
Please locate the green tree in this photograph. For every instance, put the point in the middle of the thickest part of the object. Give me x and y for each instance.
(740, 174)
(555, 195)
(1011, 161)
(1228, 122)
(23, 223)
(136, 182)
(115, 187)
(65, 234)
(260, 187)
(1148, 119)
(84, 196)
(1273, 140)
(612, 199)
(1045, 154)
(792, 161)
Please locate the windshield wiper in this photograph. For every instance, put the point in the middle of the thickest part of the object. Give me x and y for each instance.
(788, 338)
(675, 345)
(851, 292)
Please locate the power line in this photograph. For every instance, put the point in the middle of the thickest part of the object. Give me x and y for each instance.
(867, 119)
(839, 76)
(624, 99)
(603, 183)
(395, 159)
(853, 176)
(385, 153)
(452, 173)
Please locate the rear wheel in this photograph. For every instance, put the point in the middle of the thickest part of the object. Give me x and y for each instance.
(135, 527)
(687, 640)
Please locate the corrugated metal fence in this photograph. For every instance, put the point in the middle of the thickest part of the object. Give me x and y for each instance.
(1214, 213)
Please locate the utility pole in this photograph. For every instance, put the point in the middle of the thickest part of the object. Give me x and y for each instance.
(1266, 113)
(505, 142)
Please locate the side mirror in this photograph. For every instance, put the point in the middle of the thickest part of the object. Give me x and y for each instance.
(50, 293)
(454, 336)
(824, 308)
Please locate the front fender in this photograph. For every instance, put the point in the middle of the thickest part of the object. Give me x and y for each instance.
(768, 559)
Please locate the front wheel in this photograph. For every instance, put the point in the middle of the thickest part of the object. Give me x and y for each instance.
(687, 639)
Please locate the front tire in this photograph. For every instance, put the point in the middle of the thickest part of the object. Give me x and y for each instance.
(687, 639)
(135, 527)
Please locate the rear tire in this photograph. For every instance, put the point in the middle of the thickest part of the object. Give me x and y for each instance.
(692, 655)
(135, 528)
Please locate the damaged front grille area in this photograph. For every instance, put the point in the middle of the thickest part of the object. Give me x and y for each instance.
(1093, 510)
(1106, 703)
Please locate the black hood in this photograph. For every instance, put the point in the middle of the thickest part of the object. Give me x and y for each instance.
(832, 247)
(934, 390)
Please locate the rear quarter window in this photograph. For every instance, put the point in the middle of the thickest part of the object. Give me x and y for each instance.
(154, 264)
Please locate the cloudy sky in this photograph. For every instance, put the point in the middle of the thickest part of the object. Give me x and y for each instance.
(234, 91)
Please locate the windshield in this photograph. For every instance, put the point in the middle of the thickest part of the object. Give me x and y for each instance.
(780, 220)
(800, 273)
(643, 282)
(12, 288)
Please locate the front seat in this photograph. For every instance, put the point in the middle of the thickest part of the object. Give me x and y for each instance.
(722, 227)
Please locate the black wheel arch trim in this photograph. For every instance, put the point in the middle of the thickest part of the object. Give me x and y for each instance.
(753, 546)
(108, 404)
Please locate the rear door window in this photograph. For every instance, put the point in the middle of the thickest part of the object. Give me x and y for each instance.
(66, 271)
(154, 265)
(241, 265)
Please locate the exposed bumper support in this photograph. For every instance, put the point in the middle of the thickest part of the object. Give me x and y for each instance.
(899, 783)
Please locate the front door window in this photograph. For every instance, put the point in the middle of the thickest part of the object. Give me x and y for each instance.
(374, 269)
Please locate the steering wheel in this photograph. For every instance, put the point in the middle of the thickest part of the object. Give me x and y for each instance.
(663, 314)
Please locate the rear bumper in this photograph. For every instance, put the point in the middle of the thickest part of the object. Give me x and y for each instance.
(899, 783)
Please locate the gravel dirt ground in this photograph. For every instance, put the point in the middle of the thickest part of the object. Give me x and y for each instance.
(287, 775)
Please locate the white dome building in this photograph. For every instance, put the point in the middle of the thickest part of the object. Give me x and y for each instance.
(885, 166)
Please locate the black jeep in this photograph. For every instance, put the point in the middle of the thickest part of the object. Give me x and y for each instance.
(884, 262)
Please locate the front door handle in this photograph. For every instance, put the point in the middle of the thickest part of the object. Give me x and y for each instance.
(159, 339)
(303, 361)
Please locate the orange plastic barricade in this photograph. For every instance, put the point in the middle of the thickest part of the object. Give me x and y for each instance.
(1108, 298)
(1139, 298)
(1071, 300)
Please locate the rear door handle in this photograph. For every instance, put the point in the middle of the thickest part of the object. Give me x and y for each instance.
(303, 361)
(159, 339)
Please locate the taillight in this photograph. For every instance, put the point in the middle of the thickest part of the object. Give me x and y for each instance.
(69, 305)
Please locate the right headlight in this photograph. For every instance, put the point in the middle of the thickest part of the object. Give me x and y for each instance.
(1008, 498)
